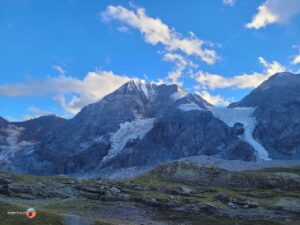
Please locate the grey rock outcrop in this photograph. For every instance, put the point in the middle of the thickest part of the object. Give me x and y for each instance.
(277, 103)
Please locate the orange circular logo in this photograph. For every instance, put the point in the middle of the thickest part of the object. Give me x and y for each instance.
(31, 213)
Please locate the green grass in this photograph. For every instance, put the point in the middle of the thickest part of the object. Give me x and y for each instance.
(76, 206)
(295, 170)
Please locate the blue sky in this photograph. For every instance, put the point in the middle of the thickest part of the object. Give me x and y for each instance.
(58, 56)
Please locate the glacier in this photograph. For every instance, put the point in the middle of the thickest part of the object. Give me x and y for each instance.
(128, 131)
(243, 115)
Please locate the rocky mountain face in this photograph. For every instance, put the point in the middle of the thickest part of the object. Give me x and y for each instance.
(177, 135)
(3, 124)
(36, 129)
(143, 124)
(277, 111)
(16, 136)
(140, 124)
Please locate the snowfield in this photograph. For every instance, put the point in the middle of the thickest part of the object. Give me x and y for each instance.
(245, 116)
(12, 135)
(189, 107)
(128, 131)
(143, 86)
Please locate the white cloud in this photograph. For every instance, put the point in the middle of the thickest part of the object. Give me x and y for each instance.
(213, 81)
(123, 29)
(59, 69)
(74, 105)
(296, 60)
(91, 88)
(156, 32)
(181, 63)
(217, 100)
(274, 11)
(229, 2)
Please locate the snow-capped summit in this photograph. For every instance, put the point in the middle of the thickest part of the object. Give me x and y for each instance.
(149, 89)
(142, 86)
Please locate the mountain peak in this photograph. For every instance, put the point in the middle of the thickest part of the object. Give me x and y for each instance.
(148, 88)
(281, 88)
(283, 75)
(3, 122)
(137, 85)
(138, 82)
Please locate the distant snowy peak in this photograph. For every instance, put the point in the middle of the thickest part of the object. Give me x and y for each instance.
(149, 89)
(192, 102)
(139, 86)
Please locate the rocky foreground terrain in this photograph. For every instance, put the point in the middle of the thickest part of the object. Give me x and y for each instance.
(175, 193)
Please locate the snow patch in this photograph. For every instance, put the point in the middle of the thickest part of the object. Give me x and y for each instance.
(245, 116)
(189, 107)
(13, 134)
(12, 146)
(265, 87)
(128, 131)
(145, 89)
(144, 86)
(178, 94)
(85, 145)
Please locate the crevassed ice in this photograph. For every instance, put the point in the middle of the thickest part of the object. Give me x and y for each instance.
(245, 116)
(128, 131)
